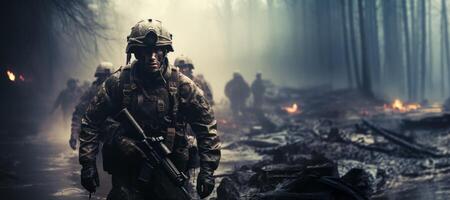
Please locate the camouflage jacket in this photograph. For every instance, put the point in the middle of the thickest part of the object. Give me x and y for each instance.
(204, 85)
(82, 105)
(193, 109)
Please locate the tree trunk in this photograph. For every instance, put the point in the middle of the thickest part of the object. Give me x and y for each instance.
(346, 45)
(354, 48)
(423, 51)
(366, 79)
(407, 49)
(373, 43)
(414, 51)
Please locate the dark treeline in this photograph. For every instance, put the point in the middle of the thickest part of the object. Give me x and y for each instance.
(37, 38)
(385, 48)
(381, 47)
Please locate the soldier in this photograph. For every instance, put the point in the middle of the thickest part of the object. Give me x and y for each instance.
(67, 98)
(102, 72)
(258, 90)
(237, 91)
(163, 101)
(186, 67)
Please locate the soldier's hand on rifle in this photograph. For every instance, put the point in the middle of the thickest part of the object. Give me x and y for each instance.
(89, 177)
(205, 183)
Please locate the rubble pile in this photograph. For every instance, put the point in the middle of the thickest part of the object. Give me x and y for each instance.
(335, 148)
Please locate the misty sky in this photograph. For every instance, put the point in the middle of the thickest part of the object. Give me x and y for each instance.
(294, 43)
(199, 29)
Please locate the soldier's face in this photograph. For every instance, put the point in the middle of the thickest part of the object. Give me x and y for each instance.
(153, 59)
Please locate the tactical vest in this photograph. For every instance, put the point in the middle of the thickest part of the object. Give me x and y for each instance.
(156, 110)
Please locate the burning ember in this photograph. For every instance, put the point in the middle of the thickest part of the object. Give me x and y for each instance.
(400, 106)
(11, 75)
(293, 109)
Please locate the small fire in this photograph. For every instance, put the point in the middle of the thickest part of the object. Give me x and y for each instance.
(292, 109)
(11, 75)
(14, 77)
(400, 106)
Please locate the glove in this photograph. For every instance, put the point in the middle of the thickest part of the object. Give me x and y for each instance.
(205, 183)
(89, 177)
(73, 143)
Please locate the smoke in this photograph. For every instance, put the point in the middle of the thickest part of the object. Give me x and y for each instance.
(219, 36)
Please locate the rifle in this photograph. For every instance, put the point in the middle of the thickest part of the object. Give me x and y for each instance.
(156, 153)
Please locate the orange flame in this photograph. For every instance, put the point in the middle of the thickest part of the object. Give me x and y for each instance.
(292, 109)
(11, 75)
(400, 106)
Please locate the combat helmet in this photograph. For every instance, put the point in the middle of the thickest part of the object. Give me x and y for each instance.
(184, 61)
(147, 34)
(103, 69)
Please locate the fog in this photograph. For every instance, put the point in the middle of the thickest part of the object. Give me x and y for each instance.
(219, 36)
(386, 49)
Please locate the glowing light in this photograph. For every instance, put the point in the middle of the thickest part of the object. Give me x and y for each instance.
(21, 78)
(400, 106)
(294, 108)
(11, 75)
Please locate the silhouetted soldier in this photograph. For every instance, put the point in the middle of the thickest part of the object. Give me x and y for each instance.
(68, 98)
(258, 90)
(237, 91)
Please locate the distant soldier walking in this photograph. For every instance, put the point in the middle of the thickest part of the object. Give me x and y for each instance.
(186, 67)
(67, 98)
(102, 72)
(237, 91)
(258, 90)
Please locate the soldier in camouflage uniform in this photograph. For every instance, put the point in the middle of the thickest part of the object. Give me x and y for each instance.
(102, 72)
(186, 67)
(163, 101)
